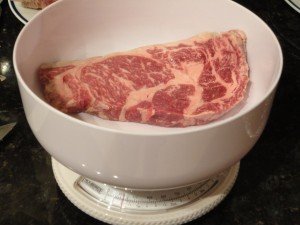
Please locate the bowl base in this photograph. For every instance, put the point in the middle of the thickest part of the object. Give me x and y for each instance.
(122, 206)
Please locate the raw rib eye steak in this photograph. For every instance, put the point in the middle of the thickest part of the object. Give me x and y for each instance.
(184, 83)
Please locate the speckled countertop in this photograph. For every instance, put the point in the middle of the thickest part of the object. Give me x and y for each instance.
(267, 191)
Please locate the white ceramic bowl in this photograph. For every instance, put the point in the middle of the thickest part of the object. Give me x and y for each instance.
(137, 155)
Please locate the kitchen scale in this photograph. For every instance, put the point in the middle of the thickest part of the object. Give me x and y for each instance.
(123, 206)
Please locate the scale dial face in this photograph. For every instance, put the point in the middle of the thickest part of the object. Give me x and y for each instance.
(133, 201)
(127, 207)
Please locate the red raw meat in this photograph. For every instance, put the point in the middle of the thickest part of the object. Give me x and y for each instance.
(184, 83)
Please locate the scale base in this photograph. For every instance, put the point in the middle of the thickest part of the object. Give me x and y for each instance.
(191, 202)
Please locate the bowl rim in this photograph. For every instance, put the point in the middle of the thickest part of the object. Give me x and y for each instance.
(175, 131)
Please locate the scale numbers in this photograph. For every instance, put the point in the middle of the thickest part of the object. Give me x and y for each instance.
(144, 201)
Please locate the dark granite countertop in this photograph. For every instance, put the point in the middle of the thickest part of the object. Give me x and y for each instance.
(268, 186)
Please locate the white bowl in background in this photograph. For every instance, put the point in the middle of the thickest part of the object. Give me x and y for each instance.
(295, 4)
(138, 155)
